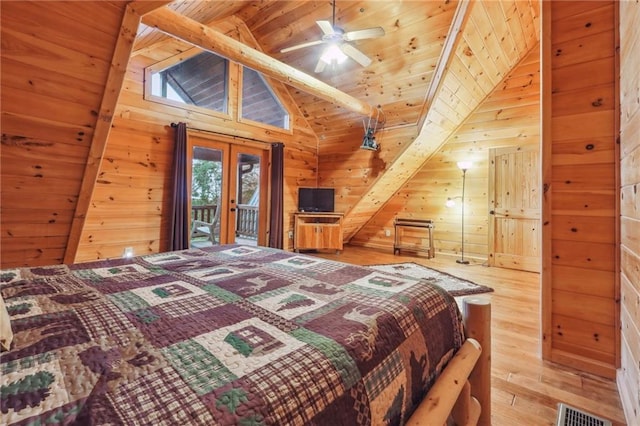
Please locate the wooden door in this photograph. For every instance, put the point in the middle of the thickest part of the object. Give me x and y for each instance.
(515, 208)
(227, 200)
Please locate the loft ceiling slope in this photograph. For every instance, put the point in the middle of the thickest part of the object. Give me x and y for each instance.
(431, 135)
(202, 11)
(200, 35)
(480, 60)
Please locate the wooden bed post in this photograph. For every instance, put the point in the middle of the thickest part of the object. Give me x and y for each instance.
(447, 395)
(468, 372)
(477, 322)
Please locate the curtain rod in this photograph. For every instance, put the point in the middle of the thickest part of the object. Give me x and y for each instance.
(174, 125)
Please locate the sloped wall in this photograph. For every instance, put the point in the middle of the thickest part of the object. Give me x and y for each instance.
(508, 117)
(629, 374)
(52, 87)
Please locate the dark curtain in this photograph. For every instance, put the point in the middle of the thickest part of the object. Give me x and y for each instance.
(179, 215)
(277, 189)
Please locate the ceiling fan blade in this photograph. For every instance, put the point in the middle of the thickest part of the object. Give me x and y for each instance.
(356, 55)
(302, 45)
(320, 66)
(326, 27)
(362, 34)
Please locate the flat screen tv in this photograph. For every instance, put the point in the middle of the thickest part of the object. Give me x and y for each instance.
(315, 199)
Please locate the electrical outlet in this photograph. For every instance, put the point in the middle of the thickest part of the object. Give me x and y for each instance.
(387, 232)
(291, 235)
(128, 252)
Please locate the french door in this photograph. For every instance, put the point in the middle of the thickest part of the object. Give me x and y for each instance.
(228, 201)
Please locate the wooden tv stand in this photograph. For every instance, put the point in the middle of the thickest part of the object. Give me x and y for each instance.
(317, 231)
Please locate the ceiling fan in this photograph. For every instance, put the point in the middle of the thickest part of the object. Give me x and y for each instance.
(338, 43)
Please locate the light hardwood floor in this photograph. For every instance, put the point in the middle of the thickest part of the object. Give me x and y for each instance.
(525, 389)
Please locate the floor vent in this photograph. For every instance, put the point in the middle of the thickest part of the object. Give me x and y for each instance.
(570, 416)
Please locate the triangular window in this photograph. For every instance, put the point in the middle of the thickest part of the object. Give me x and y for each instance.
(259, 103)
(200, 80)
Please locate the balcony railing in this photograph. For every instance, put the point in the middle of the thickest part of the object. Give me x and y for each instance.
(247, 221)
(246, 218)
(204, 213)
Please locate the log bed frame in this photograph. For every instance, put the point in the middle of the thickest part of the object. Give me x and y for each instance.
(462, 393)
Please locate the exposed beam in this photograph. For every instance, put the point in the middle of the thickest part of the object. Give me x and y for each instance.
(447, 53)
(115, 80)
(186, 29)
(142, 7)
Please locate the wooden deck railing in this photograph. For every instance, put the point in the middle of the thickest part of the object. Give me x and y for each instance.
(203, 213)
(246, 218)
(247, 221)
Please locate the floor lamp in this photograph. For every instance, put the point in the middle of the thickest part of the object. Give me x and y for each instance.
(464, 166)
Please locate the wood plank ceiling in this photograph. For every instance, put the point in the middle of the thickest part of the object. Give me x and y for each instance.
(436, 63)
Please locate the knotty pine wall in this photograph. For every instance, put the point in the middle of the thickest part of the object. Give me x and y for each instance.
(131, 199)
(350, 170)
(55, 61)
(508, 117)
(629, 373)
(580, 310)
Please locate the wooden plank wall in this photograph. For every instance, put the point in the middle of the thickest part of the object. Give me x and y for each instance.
(629, 374)
(485, 52)
(351, 170)
(508, 117)
(580, 310)
(52, 87)
(132, 196)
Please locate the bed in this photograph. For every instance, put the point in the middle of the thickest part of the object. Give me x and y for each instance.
(233, 335)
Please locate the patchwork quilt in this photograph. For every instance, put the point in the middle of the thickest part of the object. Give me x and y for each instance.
(222, 335)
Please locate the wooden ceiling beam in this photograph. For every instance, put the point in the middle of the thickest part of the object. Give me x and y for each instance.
(142, 7)
(191, 31)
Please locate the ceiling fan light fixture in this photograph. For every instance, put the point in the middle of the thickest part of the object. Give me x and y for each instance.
(338, 48)
(332, 54)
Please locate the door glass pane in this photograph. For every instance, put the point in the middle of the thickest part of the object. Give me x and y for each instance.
(248, 199)
(206, 194)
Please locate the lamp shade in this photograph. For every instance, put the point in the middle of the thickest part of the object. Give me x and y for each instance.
(464, 165)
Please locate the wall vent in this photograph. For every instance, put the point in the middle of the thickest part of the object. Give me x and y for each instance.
(570, 416)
